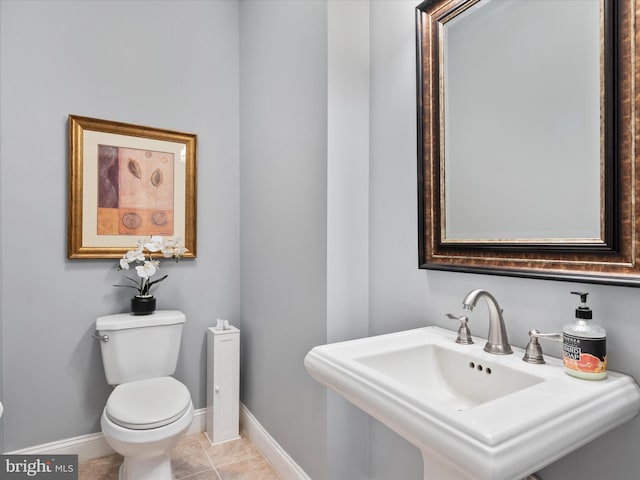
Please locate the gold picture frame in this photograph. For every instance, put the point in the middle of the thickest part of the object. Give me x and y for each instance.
(128, 182)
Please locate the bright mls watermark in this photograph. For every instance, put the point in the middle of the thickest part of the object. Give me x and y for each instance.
(39, 467)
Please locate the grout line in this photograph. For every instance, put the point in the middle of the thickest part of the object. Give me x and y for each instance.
(217, 473)
(198, 473)
(253, 457)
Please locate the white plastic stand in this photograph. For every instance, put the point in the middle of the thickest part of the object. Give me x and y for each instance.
(223, 384)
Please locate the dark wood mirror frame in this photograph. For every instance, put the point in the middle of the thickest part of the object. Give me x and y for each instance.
(615, 260)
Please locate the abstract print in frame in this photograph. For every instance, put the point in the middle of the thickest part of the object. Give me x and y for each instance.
(128, 182)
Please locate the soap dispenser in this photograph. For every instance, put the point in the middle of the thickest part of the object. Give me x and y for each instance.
(584, 349)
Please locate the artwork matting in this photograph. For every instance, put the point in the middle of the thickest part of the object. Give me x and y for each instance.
(128, 182)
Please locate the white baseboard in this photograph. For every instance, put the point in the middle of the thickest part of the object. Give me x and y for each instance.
(270, 449)
(199, 423)
(94, 445)
(86, 447)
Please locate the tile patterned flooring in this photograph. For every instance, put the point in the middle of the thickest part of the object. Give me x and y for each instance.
(194, 458)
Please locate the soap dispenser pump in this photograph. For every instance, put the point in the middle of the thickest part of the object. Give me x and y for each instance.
(584, 345)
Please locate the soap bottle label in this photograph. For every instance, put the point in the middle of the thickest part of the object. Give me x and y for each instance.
(587, 355)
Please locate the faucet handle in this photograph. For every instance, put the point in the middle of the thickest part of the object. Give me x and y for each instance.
(464, 334)
(533, 352)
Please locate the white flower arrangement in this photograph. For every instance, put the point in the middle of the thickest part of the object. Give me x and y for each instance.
(145, 265)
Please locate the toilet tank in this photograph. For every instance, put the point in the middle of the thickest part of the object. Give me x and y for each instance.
(140, 346)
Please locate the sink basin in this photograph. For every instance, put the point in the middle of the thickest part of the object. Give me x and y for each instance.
(445, 376)
(474, 415)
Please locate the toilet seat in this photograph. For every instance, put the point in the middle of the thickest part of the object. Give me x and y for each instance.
(148, 404)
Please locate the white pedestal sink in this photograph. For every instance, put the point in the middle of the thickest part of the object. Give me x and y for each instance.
(474, 415)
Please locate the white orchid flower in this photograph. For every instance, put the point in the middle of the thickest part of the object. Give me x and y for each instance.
(147, 269)
(132, 256)
(174, 252)
(145, 265)
(172, 249)
(171, 241)
(136, 255)
(155, 244)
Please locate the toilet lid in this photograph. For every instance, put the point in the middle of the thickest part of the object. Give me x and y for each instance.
(147, 404)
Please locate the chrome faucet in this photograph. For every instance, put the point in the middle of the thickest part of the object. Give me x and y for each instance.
(497, 339)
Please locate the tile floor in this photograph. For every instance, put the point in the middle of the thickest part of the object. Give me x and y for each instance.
(194, 458)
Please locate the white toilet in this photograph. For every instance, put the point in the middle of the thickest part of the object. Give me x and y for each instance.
(148, 411)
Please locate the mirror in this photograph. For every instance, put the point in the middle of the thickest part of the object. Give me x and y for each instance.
(504, 104)
(526, 129)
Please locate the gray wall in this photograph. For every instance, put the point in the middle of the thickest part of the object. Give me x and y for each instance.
(402, 297)
(304, 219)
(1, 285)
(283, 213)
(347, 220)
(173, 64)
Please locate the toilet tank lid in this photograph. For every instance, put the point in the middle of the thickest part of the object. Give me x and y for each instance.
(123, 321)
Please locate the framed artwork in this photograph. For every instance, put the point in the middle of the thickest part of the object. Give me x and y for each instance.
(128, 182)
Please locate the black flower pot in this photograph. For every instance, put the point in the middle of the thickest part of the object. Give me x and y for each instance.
(143, 304)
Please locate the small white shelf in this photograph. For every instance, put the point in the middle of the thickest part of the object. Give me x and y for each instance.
(223, 384)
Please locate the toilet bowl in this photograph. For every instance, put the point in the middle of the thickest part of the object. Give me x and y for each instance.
(148, 411)
(143, 421)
